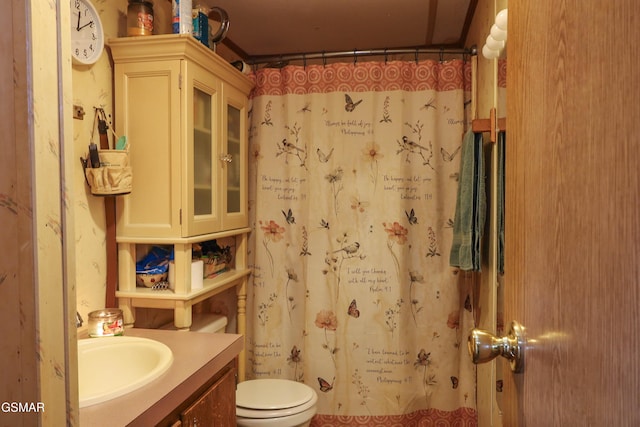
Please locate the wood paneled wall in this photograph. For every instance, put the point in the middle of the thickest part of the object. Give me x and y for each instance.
(18, 352)
(37, 293)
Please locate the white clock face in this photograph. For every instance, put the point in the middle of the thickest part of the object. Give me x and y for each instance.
(87, 36)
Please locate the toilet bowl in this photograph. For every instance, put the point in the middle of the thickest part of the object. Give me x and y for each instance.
(274, 402)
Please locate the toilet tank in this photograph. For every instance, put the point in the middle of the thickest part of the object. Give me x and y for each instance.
(204, 322)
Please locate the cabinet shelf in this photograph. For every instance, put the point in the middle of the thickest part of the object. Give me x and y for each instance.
(182, 298)
(204, 131)
(211, 287)
(184, 240)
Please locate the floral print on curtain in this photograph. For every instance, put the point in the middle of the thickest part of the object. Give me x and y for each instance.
(353, 181)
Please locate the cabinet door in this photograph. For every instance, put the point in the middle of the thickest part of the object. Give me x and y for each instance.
(201, 196)
(216, 407)
(234, 157)
(148, 102)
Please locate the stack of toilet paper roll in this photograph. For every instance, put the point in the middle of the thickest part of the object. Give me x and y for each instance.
(197, 274)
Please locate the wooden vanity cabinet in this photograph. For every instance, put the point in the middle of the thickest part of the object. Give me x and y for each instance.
(184, 111)
(214, 405)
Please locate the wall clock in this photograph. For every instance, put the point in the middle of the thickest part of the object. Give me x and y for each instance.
(87, 35)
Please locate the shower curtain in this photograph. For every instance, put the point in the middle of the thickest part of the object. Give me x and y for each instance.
(353, 181)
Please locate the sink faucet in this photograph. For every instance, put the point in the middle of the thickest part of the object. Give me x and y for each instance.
(78, 319)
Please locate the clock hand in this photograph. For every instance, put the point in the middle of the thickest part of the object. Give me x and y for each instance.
(85, 25)
(78, 24)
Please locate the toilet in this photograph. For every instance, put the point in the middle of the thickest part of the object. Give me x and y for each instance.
(203, 322)
(275, 402)
(262, 402)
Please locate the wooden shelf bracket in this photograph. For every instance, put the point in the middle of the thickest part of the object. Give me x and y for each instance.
(491, 125)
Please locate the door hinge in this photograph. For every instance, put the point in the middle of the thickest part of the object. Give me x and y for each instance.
(180, 81)
(180, 217)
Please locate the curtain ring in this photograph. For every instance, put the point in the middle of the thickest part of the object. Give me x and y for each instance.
(416, 56)
(385, 56)
(324, 60)
(304, 61)
(441, 54)
(355, 57)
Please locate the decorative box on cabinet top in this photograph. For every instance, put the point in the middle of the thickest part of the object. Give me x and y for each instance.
(184, 112)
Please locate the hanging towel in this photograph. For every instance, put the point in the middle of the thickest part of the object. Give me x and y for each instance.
(471, 205)
(502, 136)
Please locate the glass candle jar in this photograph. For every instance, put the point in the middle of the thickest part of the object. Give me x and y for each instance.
(139, 18)
(106, 323)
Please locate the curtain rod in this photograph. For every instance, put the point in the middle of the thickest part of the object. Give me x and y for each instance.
(265, 59)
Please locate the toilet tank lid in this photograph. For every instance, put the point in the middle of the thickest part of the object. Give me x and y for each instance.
(272, 394)
(203, 322)
(207, 322)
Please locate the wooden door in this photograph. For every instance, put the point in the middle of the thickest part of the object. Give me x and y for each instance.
(573, 212)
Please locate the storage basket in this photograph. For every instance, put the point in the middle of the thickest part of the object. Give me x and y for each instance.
(113, 177)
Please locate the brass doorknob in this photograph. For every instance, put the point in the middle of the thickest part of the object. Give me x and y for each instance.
(484, 346)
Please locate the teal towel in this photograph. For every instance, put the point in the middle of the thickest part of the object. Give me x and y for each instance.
(471, 206)
(500, 199)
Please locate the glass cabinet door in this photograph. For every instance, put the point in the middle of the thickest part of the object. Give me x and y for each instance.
(201, 212)
(216, 156)
(234, 153)
(233, 167)
(202, 156)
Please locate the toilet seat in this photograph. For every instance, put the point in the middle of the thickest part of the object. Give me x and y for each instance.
(272, 398)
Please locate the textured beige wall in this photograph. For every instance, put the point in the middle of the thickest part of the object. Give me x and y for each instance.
(37, 294)
(17, 234)
(93, 87)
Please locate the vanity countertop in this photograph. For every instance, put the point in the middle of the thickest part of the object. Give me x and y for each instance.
(197, 357)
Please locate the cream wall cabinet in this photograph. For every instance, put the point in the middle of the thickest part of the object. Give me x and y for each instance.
(184, 112)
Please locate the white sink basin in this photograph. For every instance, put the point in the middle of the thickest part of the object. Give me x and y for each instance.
(113, 366)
